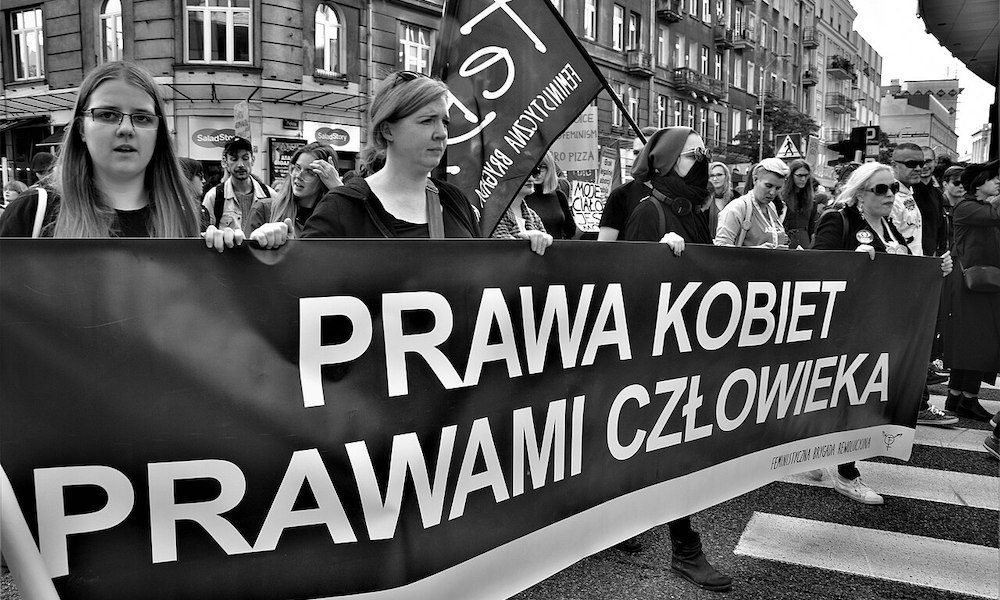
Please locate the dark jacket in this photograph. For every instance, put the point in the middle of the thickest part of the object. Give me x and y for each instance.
(830, 234)
(971, 333)
(621, 202)
(19, 217)
(934, 225)
(353, 211)
(644, 223)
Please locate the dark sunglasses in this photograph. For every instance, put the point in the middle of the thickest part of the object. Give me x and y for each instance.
(881, 188)
(406, 76)
(698, 154)
(911, 164)
(539, 170)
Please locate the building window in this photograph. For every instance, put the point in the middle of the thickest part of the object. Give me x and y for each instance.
(785, 41)
(704, 60)
(784, 89)
(590, 19)
(720, 12)
(26, 36)
(717, 128)
(734, 124)
(718, 65)
(634, 31)
(738, 18)
(616, 111)
(218, 31)
(618, 28)
(774, 83)
(415, 49)
(763, 34)
(738, 73)
(703, 123)
(749, 115)
(706, 11)
(662, 49)
(112, 40)
(633, 103)
(751, 77)
(795, 52)
(693, 8)
(661, 111)
(679, 51)
(329, 40)
(774, 40)
(690, 116)
(678, 113)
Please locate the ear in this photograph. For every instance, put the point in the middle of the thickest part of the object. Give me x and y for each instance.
(386, 131)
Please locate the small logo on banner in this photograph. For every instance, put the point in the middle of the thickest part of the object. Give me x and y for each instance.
(890, 439)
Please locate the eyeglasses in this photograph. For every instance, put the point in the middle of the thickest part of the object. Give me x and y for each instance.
(910, 164)
(698, 153)
(801, 175)
(303, 172)
(716, 176)
(406, 76)
(110, 116)
(539, 170)
(881, 188)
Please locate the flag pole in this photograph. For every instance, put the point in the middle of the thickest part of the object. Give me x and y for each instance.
(19, 549)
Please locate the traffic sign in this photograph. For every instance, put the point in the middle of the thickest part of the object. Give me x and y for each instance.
(788, 145)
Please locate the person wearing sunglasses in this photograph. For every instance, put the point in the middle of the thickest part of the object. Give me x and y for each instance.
(117, 174)
(907, 165)
(972, 318)
(312, 173)
(550, 202)
(752, 221)
(673, 166)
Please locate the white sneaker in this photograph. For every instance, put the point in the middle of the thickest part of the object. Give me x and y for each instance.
(855, 489)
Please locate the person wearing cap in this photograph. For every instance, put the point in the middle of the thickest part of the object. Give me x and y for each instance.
(230, 202)
(751, 220)
(673, 166)
(623, 199)
(972, 318)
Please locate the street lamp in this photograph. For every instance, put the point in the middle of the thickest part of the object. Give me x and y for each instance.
(760, 150)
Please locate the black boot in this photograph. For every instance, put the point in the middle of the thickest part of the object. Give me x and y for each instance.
(689, 562)
(952, 401)
(970, 408)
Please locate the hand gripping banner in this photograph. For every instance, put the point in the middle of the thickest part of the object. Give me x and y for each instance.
(423, 419)
(518, 78)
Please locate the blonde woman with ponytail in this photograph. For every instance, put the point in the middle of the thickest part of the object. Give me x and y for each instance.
(117, 174)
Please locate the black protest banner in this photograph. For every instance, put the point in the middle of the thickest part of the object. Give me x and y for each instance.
(424, 419)
(518, 79)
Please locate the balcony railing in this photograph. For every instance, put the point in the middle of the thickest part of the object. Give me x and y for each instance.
(669, 10)
(689, 80)
(638, 62)
(839, 103)
(742, 38)
(723, 36)
(810, 76)
(839, 67)
(811, 38)
(836, 135)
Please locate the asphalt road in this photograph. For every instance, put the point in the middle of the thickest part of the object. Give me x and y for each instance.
(614, 575)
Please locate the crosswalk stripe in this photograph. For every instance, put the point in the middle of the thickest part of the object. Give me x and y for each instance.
(957, 438)
(918, 483)
(918, 560)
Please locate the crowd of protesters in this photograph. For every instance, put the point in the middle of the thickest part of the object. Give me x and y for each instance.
(117, 176)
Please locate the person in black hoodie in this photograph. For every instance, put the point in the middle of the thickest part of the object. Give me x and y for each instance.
(675, 163)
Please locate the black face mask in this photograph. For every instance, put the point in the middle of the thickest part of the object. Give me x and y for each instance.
(698, 175)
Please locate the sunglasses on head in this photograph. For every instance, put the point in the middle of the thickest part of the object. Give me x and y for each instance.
(406, 76)
(881, 188)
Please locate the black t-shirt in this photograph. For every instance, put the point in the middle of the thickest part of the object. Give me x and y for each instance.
(621, 202)
(405, 229)
(19, 218)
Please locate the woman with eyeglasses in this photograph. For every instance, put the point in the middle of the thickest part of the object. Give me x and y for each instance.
(799, 210)
(117, 174)
(860, 222)
(550, 202)
(408, 130)
(751, 221)
(721, 180)
(971, 333)
(312, 173)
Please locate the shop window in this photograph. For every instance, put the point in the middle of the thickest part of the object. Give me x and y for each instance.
(415, 45)
(218, 31)
(329, 40)
(112, 39)
(28, 44)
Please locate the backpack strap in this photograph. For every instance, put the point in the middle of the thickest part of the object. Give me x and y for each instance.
(43, 201)
(661, 215)
(220, 202)
(745, 225)
(843, 217)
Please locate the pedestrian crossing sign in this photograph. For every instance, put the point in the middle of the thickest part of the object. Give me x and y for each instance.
(788, 145)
